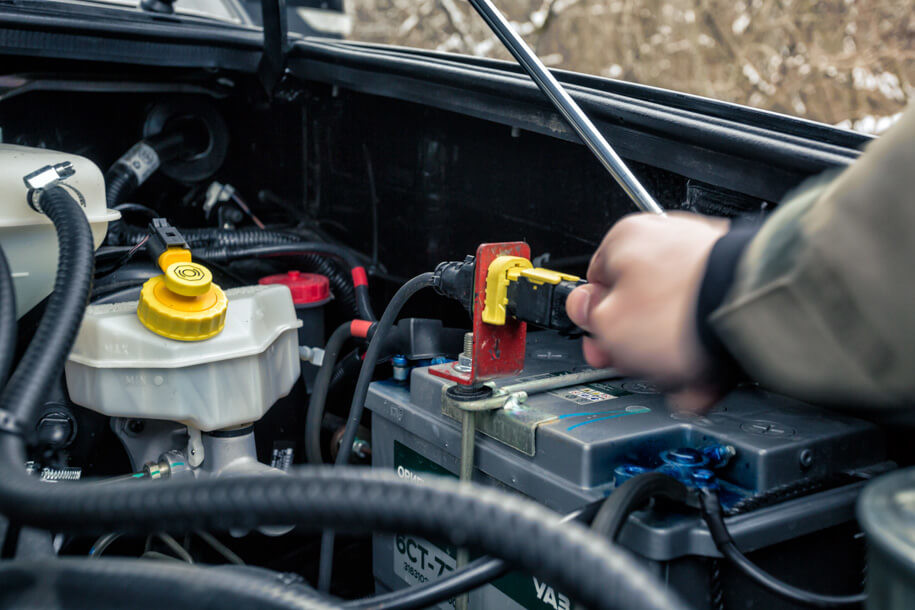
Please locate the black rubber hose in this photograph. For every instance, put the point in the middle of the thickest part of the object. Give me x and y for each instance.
(341, 285)
(403, 294)
(209, 237)
(347, 367)
(225, 245)
(121, 181)
(714, 519)
(318, 400)
(44, 359)
(358, 500)
(8, 327)
(141, 584)
(631, 496)
(363, 303)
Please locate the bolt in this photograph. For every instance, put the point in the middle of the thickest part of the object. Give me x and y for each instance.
(362, 448)
(401, 368)
(806, 458)
(515, 401)
(464, 362)
(685, 456)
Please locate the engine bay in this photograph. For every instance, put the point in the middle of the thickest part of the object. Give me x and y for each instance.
(243, 245)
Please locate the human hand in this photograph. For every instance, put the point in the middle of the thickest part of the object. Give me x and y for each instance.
(639, 304)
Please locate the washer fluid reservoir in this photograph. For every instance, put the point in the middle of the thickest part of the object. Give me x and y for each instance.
(27, 236)
(120, 368)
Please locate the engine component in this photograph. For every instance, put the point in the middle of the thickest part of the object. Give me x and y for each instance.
(310, 293)
(204, 129)
(886, 511)
(183, 304)
(119, 368)
(571, 445)
(27, 235)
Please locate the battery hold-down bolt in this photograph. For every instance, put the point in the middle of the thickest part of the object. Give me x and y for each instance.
(464, 362)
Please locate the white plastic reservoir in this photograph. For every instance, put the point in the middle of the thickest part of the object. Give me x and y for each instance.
(119, 368)
(28, 237)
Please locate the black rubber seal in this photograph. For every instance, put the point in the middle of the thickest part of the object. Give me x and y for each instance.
(468, 393)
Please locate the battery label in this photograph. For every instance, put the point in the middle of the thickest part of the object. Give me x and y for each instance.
(590, 393)
(416, 560)
(582, 395)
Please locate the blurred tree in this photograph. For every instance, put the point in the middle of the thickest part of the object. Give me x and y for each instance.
(844, 62)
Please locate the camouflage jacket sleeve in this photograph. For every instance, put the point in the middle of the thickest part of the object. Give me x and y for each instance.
(822, 305)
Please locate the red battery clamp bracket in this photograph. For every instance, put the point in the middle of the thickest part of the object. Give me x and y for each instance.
(498, 351)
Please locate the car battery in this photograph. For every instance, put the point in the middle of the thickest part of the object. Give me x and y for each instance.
(791, 470)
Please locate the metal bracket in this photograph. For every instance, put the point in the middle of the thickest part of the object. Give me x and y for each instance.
(276, 44)
(506, 416)
(195, 450)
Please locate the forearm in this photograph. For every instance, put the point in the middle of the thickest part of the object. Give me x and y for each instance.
(821, 305)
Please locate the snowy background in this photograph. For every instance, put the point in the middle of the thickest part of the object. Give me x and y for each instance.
(849, 63)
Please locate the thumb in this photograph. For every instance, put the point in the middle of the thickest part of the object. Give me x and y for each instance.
(578, 306)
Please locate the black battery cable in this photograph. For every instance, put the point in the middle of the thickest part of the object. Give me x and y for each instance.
(318, 400)
(632, 495)
(366, 372)
(712, 513)
(477, 573)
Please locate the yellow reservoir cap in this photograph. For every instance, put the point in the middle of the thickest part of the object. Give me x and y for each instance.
(188, 279)
(174, 255)
(183, 304)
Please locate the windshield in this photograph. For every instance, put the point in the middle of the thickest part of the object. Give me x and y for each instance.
(844, 62)
(224, 10)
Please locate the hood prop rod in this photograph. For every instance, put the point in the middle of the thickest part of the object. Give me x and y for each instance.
(272, 65)
(564, 103)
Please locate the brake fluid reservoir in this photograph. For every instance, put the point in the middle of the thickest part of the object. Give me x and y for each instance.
(27, 236)
(120, 368)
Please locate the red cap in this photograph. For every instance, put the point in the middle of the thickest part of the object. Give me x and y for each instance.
(306, 288)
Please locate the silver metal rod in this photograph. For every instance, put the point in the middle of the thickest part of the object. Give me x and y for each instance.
(566, 106)
(559, 381)
(468, 438)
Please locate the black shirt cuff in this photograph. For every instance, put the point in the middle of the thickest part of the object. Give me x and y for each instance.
(720, 271)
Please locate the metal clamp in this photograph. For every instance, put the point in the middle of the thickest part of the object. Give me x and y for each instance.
(510, 420)
(49, 175)
(45, 178)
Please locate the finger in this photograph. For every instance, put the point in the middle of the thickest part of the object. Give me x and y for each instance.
(595, 355)
(578, 305)
(696, 399)
(582, 303)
